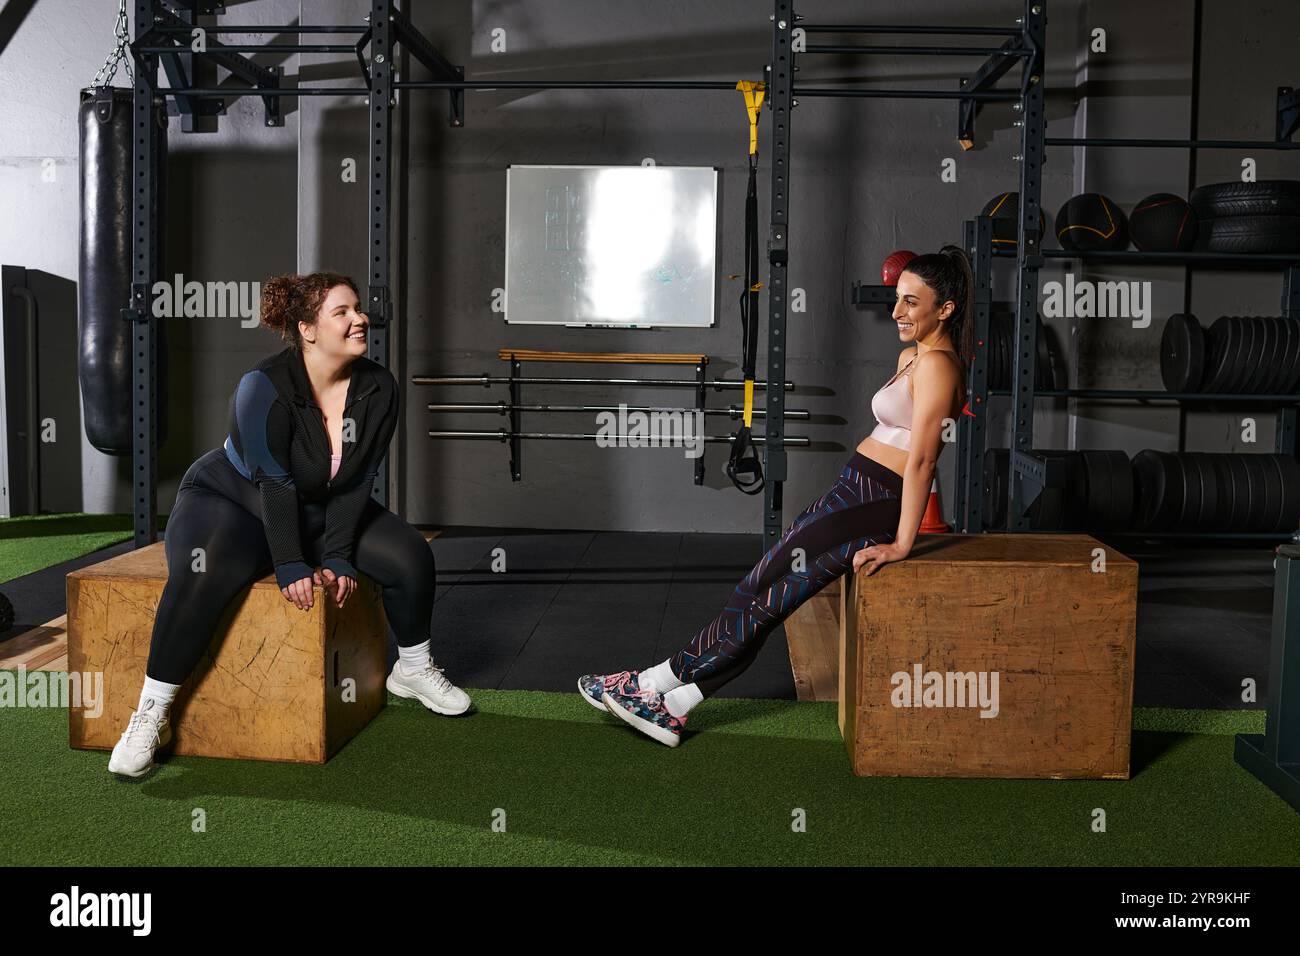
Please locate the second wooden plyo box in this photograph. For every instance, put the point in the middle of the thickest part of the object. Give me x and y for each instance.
(999, 655)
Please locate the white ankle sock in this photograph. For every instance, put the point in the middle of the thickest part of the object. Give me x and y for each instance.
(414, 658)
(160, 692)
(659, 678)
(680, 700)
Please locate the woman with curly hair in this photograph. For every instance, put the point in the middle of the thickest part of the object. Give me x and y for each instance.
(290, 491)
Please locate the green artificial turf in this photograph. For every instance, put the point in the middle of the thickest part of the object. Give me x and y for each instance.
(576, 787)
(34, 542)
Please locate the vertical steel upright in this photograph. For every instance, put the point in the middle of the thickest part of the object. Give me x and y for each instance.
(972, 430)
(1287, 442)
(378, 292)
(779, 85)
(144, 269)
(1029, 260)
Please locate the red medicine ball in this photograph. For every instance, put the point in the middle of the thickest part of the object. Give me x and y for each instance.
(895, 264)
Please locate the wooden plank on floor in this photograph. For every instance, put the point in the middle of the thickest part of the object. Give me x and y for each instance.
(38, 647)
(59, 664)
(812, 633)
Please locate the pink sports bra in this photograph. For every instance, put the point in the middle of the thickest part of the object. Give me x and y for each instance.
(335, 460)
(892, 406)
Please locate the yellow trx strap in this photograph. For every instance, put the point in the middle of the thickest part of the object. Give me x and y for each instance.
(754, 92)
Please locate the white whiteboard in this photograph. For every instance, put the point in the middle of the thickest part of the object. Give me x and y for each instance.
(626, 246)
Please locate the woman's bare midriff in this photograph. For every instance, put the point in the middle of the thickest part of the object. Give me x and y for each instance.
(895, 459)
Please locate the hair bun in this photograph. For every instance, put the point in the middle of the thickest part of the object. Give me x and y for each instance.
(277, 300)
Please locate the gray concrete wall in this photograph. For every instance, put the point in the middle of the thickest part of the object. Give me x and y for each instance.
(247, 202)
(231, 215)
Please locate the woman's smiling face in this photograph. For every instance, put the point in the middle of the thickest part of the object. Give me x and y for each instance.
(340, 330)
(918, 316)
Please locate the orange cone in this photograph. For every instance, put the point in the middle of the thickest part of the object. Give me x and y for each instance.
(932, 522)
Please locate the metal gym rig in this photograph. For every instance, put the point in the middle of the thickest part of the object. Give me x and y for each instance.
(158, 23)
(162, 25)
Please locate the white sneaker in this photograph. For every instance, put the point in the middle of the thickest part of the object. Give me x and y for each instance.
(430, 687)
(145, 733)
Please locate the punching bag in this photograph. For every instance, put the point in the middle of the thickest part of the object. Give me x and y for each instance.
(104, 356)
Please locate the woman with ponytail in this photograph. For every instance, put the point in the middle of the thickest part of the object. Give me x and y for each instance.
(868, 518)
(289, 491)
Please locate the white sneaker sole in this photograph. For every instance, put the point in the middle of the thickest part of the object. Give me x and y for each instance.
(665, 737)
(409, 694)
(163, 741)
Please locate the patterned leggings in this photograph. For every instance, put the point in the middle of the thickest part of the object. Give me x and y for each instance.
(860, 509)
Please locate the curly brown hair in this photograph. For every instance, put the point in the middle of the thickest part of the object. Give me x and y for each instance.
(290, 299)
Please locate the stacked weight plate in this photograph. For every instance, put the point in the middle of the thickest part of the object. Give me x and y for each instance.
(1200, 491)
(1238, 355)
(1050, 372)
(1097, 494)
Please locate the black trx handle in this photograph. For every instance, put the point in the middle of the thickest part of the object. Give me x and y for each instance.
(743, 467)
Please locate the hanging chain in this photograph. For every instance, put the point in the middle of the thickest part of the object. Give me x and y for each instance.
(119, 55)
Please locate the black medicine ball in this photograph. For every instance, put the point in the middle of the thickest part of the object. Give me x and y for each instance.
(1090, 222)
(1004, 210)
(1163, 222)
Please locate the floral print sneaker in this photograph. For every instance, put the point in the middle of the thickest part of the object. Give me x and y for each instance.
(645, 711)
(593, 686)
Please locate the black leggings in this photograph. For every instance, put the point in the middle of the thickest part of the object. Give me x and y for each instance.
(219, 510)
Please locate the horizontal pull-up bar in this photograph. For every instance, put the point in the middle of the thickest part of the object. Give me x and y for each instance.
(630, 358)
(630, 440)
(890, 28)
(565, 85)
(918, 50)
(1172, 143)
(438, 85)
(732, 411)
(906, 94)
(486, 380)
(285, 28)
(254, 48)
(262, 91)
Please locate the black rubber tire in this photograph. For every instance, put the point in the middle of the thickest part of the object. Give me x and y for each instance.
(1260, 234)
(1271, 197)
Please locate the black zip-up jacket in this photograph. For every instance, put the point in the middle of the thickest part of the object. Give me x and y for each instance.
(278, 441)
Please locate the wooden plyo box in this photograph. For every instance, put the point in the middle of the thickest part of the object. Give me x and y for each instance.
(1030, 620)
(271, 686)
